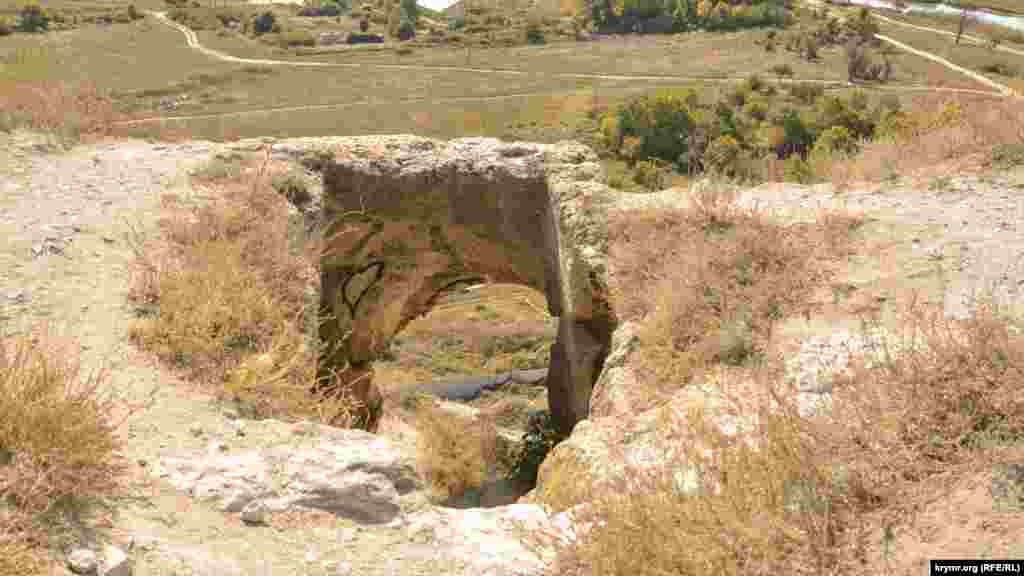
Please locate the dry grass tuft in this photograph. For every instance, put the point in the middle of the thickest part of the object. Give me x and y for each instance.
(58, 449)
(455, 453)
(223, 296)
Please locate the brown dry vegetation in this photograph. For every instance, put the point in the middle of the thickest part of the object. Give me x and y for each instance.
(31, 98)
(957, 133)
(714, 280)
(221, 295)
(58, 449)
(455, 453)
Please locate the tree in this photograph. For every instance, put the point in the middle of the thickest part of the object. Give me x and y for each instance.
(965, 20)
(412, 11)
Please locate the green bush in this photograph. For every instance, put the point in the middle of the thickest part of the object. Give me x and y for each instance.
(292, 186)
(836, 139)
(757, 109)
(406, 30)
(540, 438)
(651, 174)
(796, 169)
(410, 12)
(6, 26)
(661, 123)
(534, 35)
(33, 19)
(798, 136)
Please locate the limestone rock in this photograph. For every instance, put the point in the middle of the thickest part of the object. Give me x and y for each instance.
(480, 540)
(409, 216)
(346, 472)
(83, 561)
(255, 512)
(115, 562)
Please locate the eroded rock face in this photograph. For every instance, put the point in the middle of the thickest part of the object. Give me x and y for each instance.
(407, 218)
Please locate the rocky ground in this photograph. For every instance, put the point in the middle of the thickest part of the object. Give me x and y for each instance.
(320, 501)
(212, 494)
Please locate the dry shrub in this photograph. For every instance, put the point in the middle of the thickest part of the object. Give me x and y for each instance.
(716, 504)
(707, 282)
(944, 391)
(223, 295)
(801, 494)
(58, 448)
(937, 130)
(455, 453)
(30, 98)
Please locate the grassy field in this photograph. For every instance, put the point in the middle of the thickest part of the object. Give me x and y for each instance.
(1009, 36)
(1009, 6)
(970, 56)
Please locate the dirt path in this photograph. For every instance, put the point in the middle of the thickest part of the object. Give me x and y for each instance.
(1002, 88)
(967, 37)
(981, 78)
(193, 42)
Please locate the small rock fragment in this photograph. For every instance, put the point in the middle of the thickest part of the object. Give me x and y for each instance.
(254, 512)
(82, 561)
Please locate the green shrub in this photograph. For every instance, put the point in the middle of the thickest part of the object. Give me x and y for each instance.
(721, 155)
(798, 136)
(540, 438)
(410, 12)
(292, 186)
(611, 137)
(6, 26)
(836, 139)
(651, 174)
(33, 19)
(406, 30)
(796, 169)
(756, 109)
(661, 123)
(534, 35)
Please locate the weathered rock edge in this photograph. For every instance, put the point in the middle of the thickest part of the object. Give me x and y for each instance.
(407, 217)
